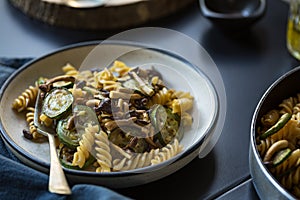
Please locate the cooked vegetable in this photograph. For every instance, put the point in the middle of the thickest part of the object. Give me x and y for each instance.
(118, 137)
(68, 135)
(143, 85)
(66, 156)
(111, 116)
(138, 145)
(276, 127)
(166, 124)
(281, 156)
(57, 102)
(84, 115)
(48, 85)
(132, 84)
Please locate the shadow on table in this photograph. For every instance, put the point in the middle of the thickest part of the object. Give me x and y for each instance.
(234, 44)
(194, 179)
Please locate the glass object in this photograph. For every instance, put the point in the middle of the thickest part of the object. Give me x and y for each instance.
(293, 29)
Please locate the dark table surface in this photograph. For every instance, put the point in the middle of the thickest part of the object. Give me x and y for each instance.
(248, 62)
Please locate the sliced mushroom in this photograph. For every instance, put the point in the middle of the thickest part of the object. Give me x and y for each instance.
(71, 123)
(274, 148)
(46, 87)
(148, 90)
(122, 95)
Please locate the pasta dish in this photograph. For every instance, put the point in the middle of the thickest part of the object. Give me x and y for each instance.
(107, 120)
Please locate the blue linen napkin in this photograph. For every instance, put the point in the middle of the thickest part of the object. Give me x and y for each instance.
(18, 181)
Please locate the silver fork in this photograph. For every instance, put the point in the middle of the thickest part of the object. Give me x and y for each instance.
(57, 179)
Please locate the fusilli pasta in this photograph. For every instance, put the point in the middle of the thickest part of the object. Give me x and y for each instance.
(280, 142)
(114, 119)
(25, 99)
(85, 146)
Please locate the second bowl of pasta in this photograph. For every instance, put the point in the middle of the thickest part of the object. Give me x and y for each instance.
(274, 147)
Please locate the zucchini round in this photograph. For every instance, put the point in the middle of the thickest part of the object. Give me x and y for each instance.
(166, 124)
(84, 116)
(65, 159)
(57, 102)
(68, 137)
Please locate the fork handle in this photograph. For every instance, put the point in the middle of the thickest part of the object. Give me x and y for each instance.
(57, 180)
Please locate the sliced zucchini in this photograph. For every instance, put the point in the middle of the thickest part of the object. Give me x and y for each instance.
(64, 157)
(281, 156)
(57, 102)
(166, 124)
(158, 116)
(276, 127)
(84, 116)
(68, 137)
(132, 84)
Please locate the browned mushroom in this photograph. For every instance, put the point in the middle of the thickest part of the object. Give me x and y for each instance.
(71, 123)
(274, 148)
(142, 85)
(123, 95)
(46, 87)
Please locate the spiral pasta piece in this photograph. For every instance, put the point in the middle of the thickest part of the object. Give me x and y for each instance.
(181, 94)
(139, 160)
(296, 108)
(296, 117)
(103, 155)
(270, 118)
(25, 99)
(86, 76)
(120, 68)
(290, 132)
(287, 105)
(69, 69)
(161, 97)
(110, 85)
(291, 179)
(181, 105)
(30, 121)
(288, 164)
(264, 145)
(296, 190)
(85, 146)
(167, 152)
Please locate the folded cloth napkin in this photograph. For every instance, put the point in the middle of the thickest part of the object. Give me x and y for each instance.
(18, 181)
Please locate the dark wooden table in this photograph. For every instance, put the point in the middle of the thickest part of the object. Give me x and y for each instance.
(248, 62)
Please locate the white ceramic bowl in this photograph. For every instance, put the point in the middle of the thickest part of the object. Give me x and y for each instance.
(181, 76)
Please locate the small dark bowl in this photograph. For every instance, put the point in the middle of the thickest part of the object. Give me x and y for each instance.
(233, 14)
